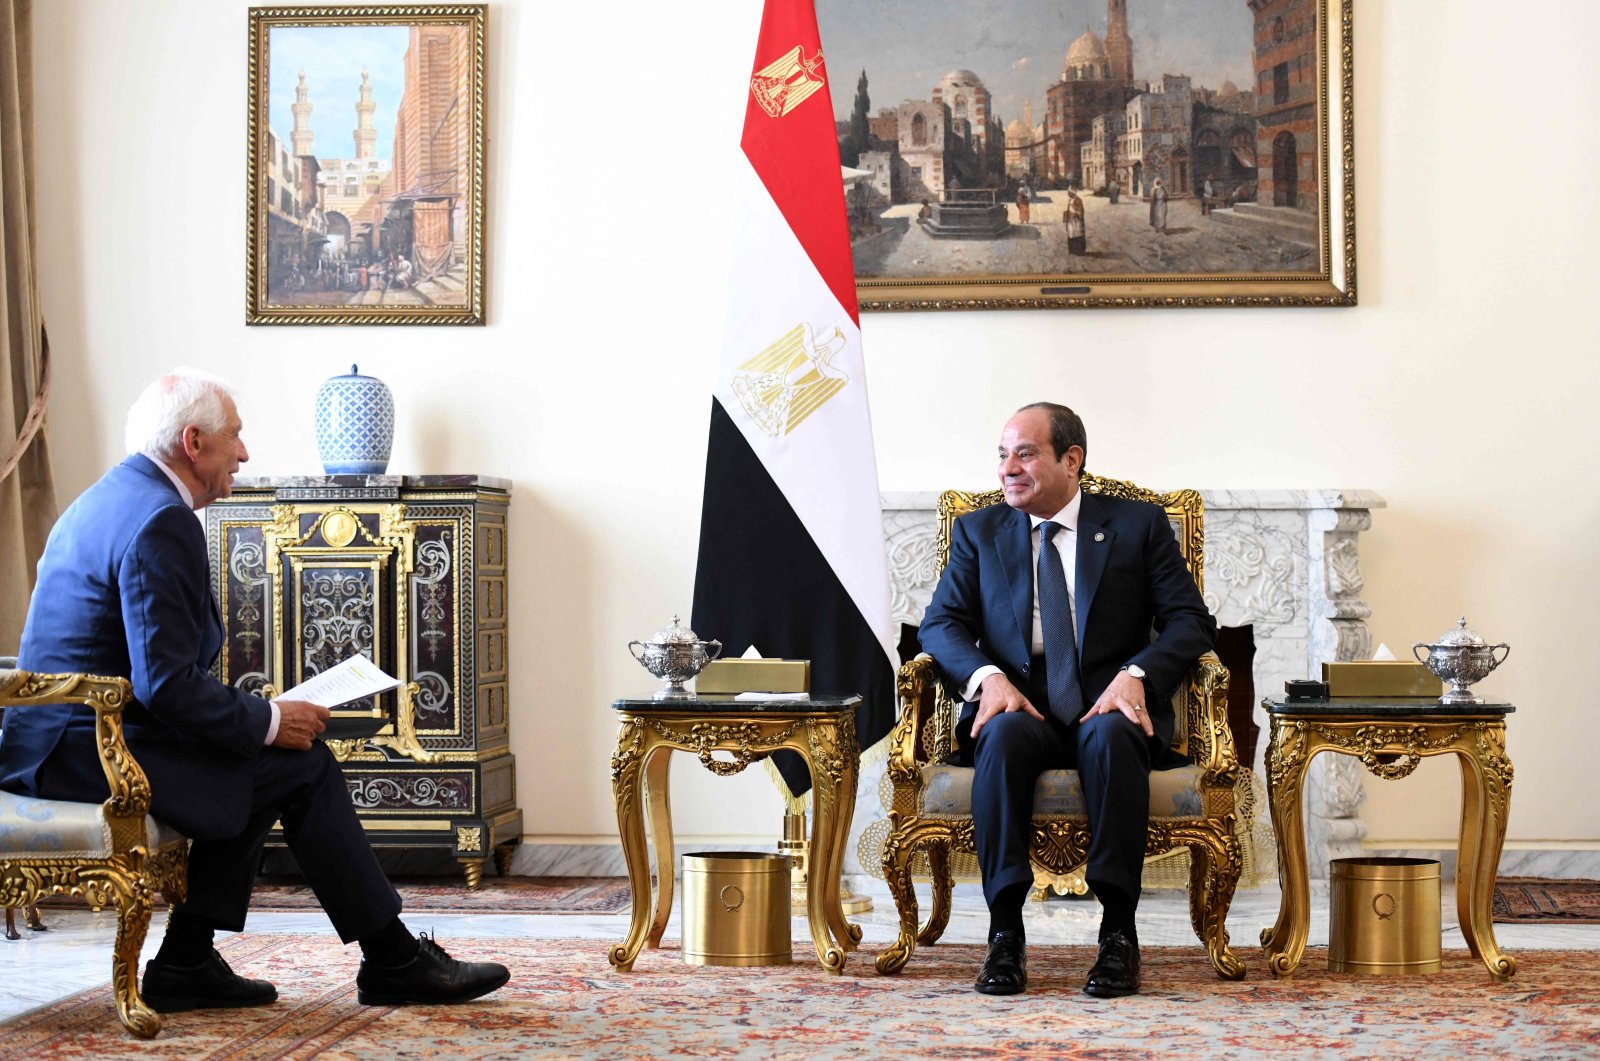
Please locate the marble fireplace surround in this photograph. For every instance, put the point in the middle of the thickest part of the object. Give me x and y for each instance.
(1285, 562)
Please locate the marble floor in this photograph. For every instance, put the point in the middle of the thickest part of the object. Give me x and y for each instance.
(75, 953)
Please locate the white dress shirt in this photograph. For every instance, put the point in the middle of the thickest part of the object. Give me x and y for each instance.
(188, 499)
(1066, 543)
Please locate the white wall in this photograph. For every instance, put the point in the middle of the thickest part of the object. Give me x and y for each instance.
(1461, 388)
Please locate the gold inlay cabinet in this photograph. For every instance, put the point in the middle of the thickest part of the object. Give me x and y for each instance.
(409, 571)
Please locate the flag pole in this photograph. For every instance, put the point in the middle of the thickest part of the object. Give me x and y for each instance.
(795, 845)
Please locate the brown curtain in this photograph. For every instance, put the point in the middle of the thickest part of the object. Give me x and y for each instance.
(27, 490)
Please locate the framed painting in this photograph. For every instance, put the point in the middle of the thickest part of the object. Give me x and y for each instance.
(1010, 154)
(365, 169)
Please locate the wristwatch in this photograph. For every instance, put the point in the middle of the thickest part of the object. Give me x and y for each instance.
(1135, 670)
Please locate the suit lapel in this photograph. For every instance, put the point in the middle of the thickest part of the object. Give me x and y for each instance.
(216, 613)
(1094, 547)
(1016, 560)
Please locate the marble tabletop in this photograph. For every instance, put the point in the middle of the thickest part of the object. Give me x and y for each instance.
(410, 482)
(1392, 707)
(702, 705)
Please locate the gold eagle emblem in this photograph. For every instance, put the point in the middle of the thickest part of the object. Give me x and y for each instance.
(791, 379)
(785, 84)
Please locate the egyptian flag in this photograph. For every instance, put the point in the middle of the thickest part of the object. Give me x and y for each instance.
(792, 554)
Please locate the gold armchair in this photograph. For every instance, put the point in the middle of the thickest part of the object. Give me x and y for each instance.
(110, 853)
(1197, 807)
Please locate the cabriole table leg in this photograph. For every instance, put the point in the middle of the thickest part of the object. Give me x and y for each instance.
(626, 767)
(655, 784)
(1287, 759)
(1486, 789)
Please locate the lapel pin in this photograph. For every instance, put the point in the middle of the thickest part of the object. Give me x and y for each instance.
(1099, 536)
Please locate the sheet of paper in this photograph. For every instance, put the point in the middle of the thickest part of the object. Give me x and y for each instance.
(353, 679)
(771, 696)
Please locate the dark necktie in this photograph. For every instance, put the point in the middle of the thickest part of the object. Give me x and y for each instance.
(1060, 642)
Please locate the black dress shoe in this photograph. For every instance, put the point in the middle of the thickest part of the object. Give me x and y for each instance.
(432, 977)
(1005, 968)
(1116, 968)
(172, 988)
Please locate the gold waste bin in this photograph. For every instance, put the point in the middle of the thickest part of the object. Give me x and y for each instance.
(1384, 916)
(736, 908)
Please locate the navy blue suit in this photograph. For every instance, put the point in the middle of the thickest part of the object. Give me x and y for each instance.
(1135, 603)
(124, 590)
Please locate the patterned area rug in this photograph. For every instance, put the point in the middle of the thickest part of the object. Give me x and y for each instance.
(445, 895)
(1548, 902)
(565, 1001)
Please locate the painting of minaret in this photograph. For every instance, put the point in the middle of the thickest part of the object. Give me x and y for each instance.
(366, 136)
(389, 226)
(301, 137)
(1119, 46)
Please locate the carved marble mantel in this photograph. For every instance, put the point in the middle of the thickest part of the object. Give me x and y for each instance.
(1286, 562)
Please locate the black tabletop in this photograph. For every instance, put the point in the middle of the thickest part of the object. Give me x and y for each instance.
(730, 704)
(1391, 707)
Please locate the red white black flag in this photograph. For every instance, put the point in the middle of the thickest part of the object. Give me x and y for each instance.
(791, 538)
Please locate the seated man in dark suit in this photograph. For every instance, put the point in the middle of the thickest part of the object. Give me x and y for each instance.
(1042, 622)
(123, 589)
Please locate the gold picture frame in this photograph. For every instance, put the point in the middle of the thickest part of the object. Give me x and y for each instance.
(1242, 246)
(390, 229)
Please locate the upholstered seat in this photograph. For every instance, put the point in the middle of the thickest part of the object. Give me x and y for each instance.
(70, 830)
(1200, 808)
(947, 793)
(108, 854)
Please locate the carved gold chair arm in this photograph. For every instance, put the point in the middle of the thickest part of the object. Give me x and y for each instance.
(130, 789)
(1205, 705)
(918, 685)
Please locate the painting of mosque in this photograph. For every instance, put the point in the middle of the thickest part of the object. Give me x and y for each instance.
(1079, 143)
(366, 178)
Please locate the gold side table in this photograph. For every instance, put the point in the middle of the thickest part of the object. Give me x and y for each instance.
(1390, 737)
(821, 729)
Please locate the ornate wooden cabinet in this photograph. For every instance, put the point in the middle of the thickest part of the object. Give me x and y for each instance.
(409, 571)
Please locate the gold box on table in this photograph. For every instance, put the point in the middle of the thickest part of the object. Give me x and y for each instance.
(722, 677)
(1381, 678)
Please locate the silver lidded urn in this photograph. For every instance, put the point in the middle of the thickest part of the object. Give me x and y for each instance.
(674, 654)
(1460, 657)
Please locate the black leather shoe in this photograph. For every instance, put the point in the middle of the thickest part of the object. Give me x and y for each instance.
(1005, 968)
(172, 988)
(1116, 968)
(432, 977)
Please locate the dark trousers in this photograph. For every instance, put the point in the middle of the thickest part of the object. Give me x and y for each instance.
(1112, 757)
(305, 791)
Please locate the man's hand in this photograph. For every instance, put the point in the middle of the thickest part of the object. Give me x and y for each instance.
(1124, 694)
(299, 721)
(998, 697)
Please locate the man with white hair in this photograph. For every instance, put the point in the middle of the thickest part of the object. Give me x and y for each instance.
(124, 589)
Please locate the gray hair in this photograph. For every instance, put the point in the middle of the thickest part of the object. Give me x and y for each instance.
(182, 398)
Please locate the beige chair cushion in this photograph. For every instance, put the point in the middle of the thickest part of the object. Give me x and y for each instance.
(947, 793)
(31, 826)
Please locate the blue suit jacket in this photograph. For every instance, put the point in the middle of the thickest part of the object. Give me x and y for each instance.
(124, 590)
(1135, 603)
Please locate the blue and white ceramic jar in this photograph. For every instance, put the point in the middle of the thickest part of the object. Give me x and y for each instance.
(355, 424)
